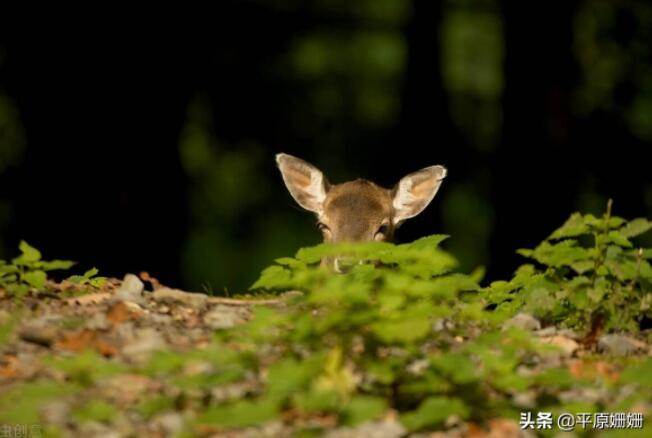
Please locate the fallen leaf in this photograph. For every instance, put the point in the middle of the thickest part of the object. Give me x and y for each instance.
(154, 282)
(8, 367)
(587, 370)
(119, 313)
(77, 341)
(105, 348)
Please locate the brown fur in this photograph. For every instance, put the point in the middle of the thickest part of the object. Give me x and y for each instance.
(358, 210)
(371, 204)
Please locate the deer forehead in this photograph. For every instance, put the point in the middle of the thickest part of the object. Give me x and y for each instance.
(358, 201)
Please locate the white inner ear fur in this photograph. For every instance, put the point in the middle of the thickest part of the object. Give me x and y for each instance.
(316, 191)
(415, 191)
(310, 196)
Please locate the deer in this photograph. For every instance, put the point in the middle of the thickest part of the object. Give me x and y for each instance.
(358, 210)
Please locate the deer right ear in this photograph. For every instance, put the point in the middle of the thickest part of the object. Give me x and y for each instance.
(305, 182)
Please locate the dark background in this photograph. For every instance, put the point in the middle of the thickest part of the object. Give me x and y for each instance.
(148, 144)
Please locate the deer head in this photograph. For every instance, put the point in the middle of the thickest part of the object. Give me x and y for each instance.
(358, 210)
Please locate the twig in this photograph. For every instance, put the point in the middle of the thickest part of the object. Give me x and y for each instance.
(243, 302)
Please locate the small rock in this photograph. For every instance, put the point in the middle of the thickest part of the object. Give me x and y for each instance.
(175, 296)
(583, 395)
(418, 367)
(442, 324)
(523, 321)
(525, 399)
(38, 333)
(620, 345)
(233, 391)
(160, 319)
(567, 345)
(132, 284)
(170, 423)
(547, 331)
(569, 333)
(197, 367)
(272, 429)
(126, 389)
(55, 412)
(95, 429)
(375, 429)
(223, 317)
(98, 321)
(131, 290)
(145, 341)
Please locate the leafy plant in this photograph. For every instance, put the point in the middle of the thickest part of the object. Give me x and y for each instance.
(588, 272)
(89, 277)
(28, 271)
(401, 334)
(374, 338)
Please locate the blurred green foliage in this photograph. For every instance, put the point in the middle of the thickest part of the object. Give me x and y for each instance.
(232, 229)
(612, 59)
(12, 145)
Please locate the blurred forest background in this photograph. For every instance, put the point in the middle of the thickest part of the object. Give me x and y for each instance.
(147, 144)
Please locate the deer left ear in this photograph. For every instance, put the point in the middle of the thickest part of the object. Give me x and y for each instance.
(414, 192)
(305, 182)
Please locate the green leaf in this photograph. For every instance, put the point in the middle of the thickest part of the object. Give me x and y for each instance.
(154, 405)
(87, 278)
(97, 281)
(428, 242)
(7, 270)
(458, 367)
(95, 410)
(560, 254)
(406, 329)
(91, 273)
(274, 277)
(433, 411)
(636, 227)
(289, 375)
(36, 279)
(21, 402)
(639, 374)
(363, 408)
(573, 227)
(619, 239)
(240, 414)
(57, 264)
(29, 254)
(316, 400)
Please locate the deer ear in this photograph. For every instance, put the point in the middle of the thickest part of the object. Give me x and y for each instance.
(414, 192)
(305, 182)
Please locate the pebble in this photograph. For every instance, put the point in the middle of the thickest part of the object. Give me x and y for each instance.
(145, 341)
(38, 333)
(175, 296)
(131, 290)
(620, 345)
(567, 345)
(523, 321)
(170, 423)
(98, 321)
(223, 317)
(370, 429)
